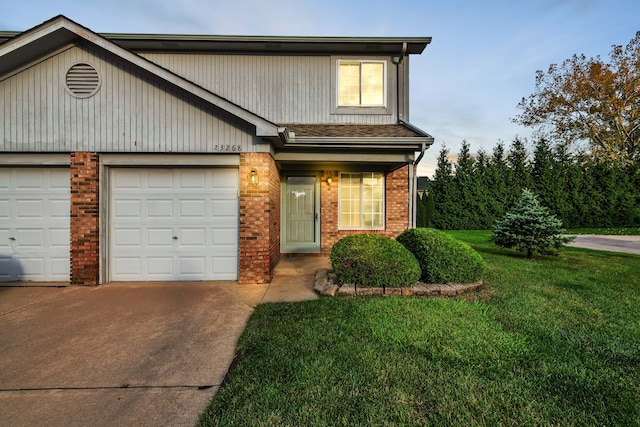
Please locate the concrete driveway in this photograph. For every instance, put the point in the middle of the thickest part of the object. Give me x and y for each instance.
(626, 244)
(149, 354)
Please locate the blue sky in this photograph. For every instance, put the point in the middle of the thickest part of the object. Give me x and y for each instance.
(465, 85)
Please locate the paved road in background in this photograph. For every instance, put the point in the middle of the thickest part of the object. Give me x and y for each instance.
(627, 244)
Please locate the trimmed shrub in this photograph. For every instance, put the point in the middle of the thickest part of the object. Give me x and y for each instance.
(373, 260)
(442, 258)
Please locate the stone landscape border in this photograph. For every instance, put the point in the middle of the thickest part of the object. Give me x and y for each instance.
(326, 284)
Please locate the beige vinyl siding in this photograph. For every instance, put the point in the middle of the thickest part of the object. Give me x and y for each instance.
(282, 89)
(129, 113)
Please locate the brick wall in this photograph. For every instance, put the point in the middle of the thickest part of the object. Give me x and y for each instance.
(84, 225)
(259, 218)
(396, 208)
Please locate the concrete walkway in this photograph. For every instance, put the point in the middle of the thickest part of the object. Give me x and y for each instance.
(126, 354)
(626, 244)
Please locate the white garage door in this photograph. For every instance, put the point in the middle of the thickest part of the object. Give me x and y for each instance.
(34, 224)
(173, 224)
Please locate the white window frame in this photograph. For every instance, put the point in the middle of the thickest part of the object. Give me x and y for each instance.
(361, 198)
(388, 87)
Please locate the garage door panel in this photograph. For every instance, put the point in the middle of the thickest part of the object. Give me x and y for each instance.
(184, 203)
(34, 212)
(160, 237)
(126, 179)
(27, 179)
(29, 209)
(225, 237)
(192, 266)
(226, 178)
(160, 179)
(130, 237)
(159, 266)
(26, 238)
(192, 208)
(127, 208)
(6, 268)
(33, 268)
(59, 237)
(5, 209)
(160, 208)
(225, 208)
(126, 265)
(192, 179)
(193, 237)
(59, 208)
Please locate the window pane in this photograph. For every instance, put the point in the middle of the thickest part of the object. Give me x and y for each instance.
(349, 83)
(373, 83)
(362, 200)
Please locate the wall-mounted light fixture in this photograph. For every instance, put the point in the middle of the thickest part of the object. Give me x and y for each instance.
(329, 180)
(253, 177)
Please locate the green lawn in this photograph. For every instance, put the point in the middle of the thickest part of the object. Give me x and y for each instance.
(554, 341)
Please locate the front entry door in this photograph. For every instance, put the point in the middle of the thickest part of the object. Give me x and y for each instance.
(301, 231)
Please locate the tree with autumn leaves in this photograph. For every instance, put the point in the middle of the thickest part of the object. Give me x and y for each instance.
(590, 100)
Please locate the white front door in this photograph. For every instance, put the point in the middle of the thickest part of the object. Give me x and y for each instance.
(173, 224)
(34, 224)
(301, 214)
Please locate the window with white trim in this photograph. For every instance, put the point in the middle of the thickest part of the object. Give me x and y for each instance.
(361, 83)
(361, 200)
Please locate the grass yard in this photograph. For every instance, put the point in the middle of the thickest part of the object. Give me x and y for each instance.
(553, 341)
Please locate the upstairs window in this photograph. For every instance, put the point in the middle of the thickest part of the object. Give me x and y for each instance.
(361, 201)
(361, 83)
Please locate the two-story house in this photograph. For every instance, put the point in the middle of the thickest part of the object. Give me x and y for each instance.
(130, 157)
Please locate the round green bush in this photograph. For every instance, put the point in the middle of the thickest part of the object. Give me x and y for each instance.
(373, 260)
(442, 258)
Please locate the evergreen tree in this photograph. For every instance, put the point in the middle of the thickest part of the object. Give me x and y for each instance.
(467, 190)
(520, 176)
(430, 207)
(530, 228)
(483, 194)
(421, 213)
(445, 215)
(497, 177)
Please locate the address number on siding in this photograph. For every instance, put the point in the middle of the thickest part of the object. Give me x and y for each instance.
(227, 148)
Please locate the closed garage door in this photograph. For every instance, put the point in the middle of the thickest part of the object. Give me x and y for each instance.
(34, 224)
(173, 224)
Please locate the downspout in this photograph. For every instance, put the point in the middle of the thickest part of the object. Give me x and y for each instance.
(403, 53)
(412, 179)
(414, 196)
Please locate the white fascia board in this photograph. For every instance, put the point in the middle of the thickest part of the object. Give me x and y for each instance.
(375, 143)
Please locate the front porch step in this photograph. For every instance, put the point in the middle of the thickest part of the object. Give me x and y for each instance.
(298, 266)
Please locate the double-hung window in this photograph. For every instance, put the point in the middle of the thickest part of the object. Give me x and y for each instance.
(361, 83)
(361, 200)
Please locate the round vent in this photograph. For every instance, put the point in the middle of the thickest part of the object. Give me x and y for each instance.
(82, 80)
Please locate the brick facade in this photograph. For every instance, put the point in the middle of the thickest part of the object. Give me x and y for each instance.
(259, 218)
(84, 221)
(396, 207)
(260, 213)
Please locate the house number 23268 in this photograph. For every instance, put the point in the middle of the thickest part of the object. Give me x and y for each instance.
(227, 148)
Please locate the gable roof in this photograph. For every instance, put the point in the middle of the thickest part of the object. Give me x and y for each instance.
(60, 31)
(21, 49)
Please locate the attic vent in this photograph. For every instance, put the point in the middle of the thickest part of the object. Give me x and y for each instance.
(82, 80)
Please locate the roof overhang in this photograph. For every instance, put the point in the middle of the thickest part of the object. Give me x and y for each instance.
(261, 44)
(394, 144)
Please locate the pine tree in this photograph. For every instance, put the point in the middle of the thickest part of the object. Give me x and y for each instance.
(443, 190)
(530, 228)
